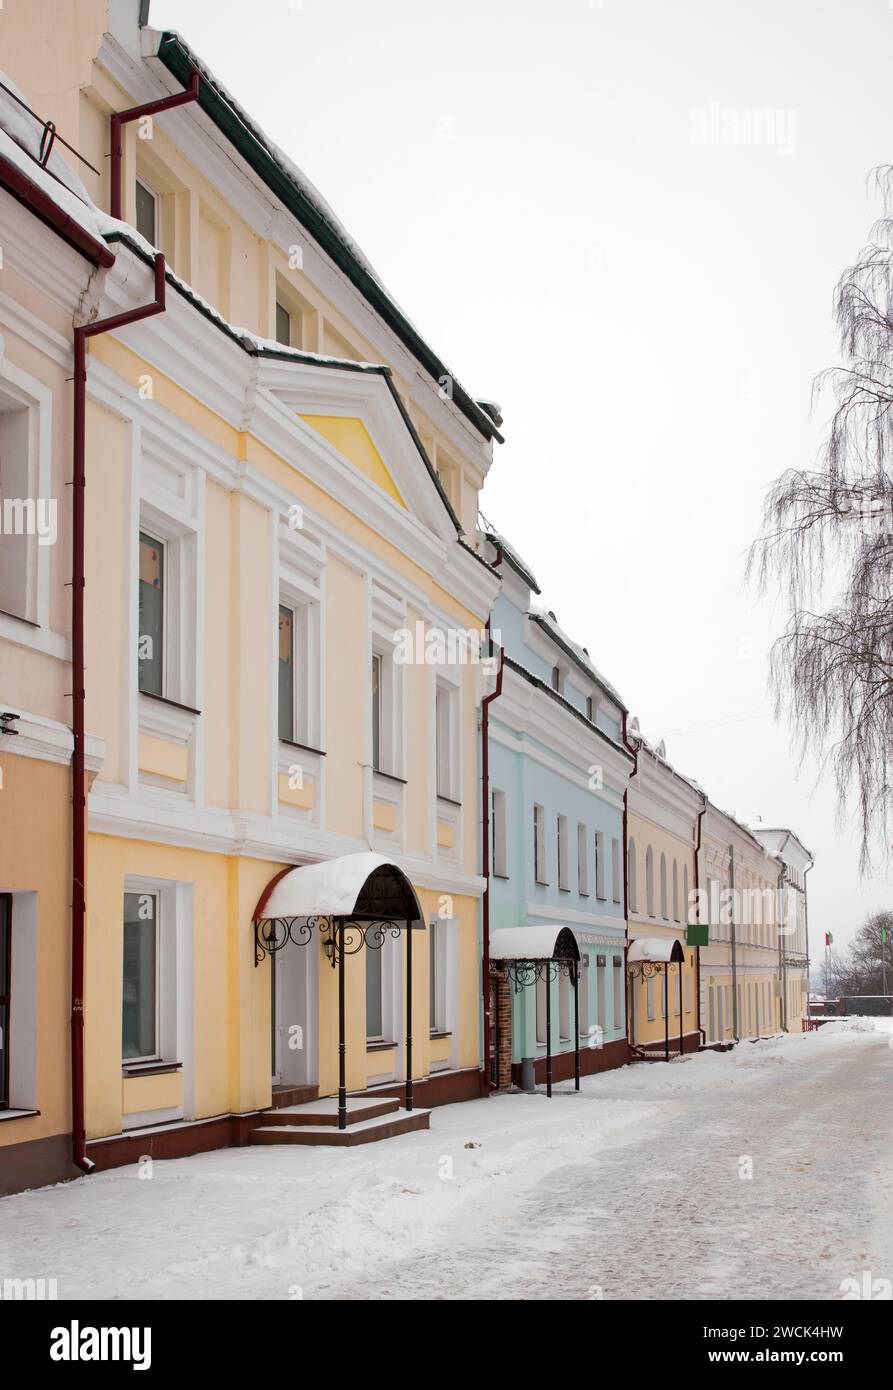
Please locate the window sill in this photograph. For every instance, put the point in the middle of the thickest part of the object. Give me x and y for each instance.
(390, 776)
(149, 1068)
(172, 704)
(17, 1114)
(450, 801)
(380, 1046)
(504, 877)
(304, 747)
(437, 1033)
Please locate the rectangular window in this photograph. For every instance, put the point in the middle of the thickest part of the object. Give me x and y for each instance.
(541, 987)
(556, 678)
(436, 976)
(146, 213)
(443, 721)
(286, 673)
(140, 984)
(376, 712)
(688, 994)
(500, 837)
(374, 993)
(677, 994)
(600, 962)
(151, 615)
(283, 325)
(584, 994)
(599, 864)
(617, 972)
(589, 708)
(564, 1008)
(539, 845)
(582, 861)
(563, 876)
(5, 991)
(21, 509)
(616, 884)
(649, 996)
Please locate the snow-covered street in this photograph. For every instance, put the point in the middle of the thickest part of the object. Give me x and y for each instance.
(639, 1187)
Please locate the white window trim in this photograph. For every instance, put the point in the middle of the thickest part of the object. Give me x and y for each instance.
(175, 989)
(37, 399)
(563, 873)
(180, 630)
(582, 860)
(600, 866)
(23, 1009)
(540, 867)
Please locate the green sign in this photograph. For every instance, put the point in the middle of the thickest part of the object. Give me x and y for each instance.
(697, 934)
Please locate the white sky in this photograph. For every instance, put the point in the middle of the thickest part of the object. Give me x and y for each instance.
(649, 310)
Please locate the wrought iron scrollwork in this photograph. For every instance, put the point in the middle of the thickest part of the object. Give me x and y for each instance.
(526, 972)
(272, 933)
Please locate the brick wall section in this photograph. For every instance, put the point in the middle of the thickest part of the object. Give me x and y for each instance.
(502, 1022)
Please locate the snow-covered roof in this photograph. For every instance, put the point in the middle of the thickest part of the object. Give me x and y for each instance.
(330, 889)
(659, 753)
(252, 140)
(547, 620)
(655, 948)
(21, 135)
(533, 943)
(514, 557)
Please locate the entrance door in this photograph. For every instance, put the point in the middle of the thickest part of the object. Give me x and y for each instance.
(295, 1014)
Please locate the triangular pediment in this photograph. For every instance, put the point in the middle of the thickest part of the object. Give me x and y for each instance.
(350, 437)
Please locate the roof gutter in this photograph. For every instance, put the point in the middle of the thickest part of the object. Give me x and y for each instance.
(38, 201)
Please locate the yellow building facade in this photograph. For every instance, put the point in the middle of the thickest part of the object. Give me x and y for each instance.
(283, 601)
(662, 969)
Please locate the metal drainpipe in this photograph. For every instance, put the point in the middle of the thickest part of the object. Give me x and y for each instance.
(810, 865)
(79, 791)
(733, 944)
(697, 949)
(628, 993)
(135, 113)
(485, 852)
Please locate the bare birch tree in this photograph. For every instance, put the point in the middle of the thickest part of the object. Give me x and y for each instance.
(828, 544)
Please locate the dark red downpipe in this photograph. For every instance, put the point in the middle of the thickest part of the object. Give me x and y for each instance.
(485, 847)
(79, 790)
(701, 814)
(135, 113)
(634, 750)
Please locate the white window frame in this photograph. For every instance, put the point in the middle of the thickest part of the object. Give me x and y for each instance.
(156, 204)
(616, 877)
(565, 1029)
(600, 865)
(175, 990)
(390, 707)
(446, 739)
(564, 878)
(499, 850)
(582, 860)
(307, 662)
(601, 994)
(542, 984)
(180, 614)
(617, 990)
(583, 988)
(29, 394)
(540, 868)
(649, 998)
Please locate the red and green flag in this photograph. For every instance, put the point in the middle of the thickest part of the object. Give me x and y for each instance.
(829, 938)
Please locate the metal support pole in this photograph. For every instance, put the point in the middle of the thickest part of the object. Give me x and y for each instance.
(342, 1047)
(409, 1015)
(548, 1032)
(666, 1013)
(577, 1026)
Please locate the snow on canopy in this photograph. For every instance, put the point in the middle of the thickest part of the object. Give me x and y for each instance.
(333, 888)
(533, 943)
(655, 948)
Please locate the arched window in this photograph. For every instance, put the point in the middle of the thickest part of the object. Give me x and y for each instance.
(685, 912)
(633, 891)
(649, 881)
(675, 891)
(663, 887)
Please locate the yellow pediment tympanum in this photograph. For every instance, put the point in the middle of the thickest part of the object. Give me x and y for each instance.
(351, 438)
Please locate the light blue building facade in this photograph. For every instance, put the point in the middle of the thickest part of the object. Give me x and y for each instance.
(558, 772)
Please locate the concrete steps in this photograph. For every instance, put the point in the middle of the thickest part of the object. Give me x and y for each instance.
(316, 1122)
